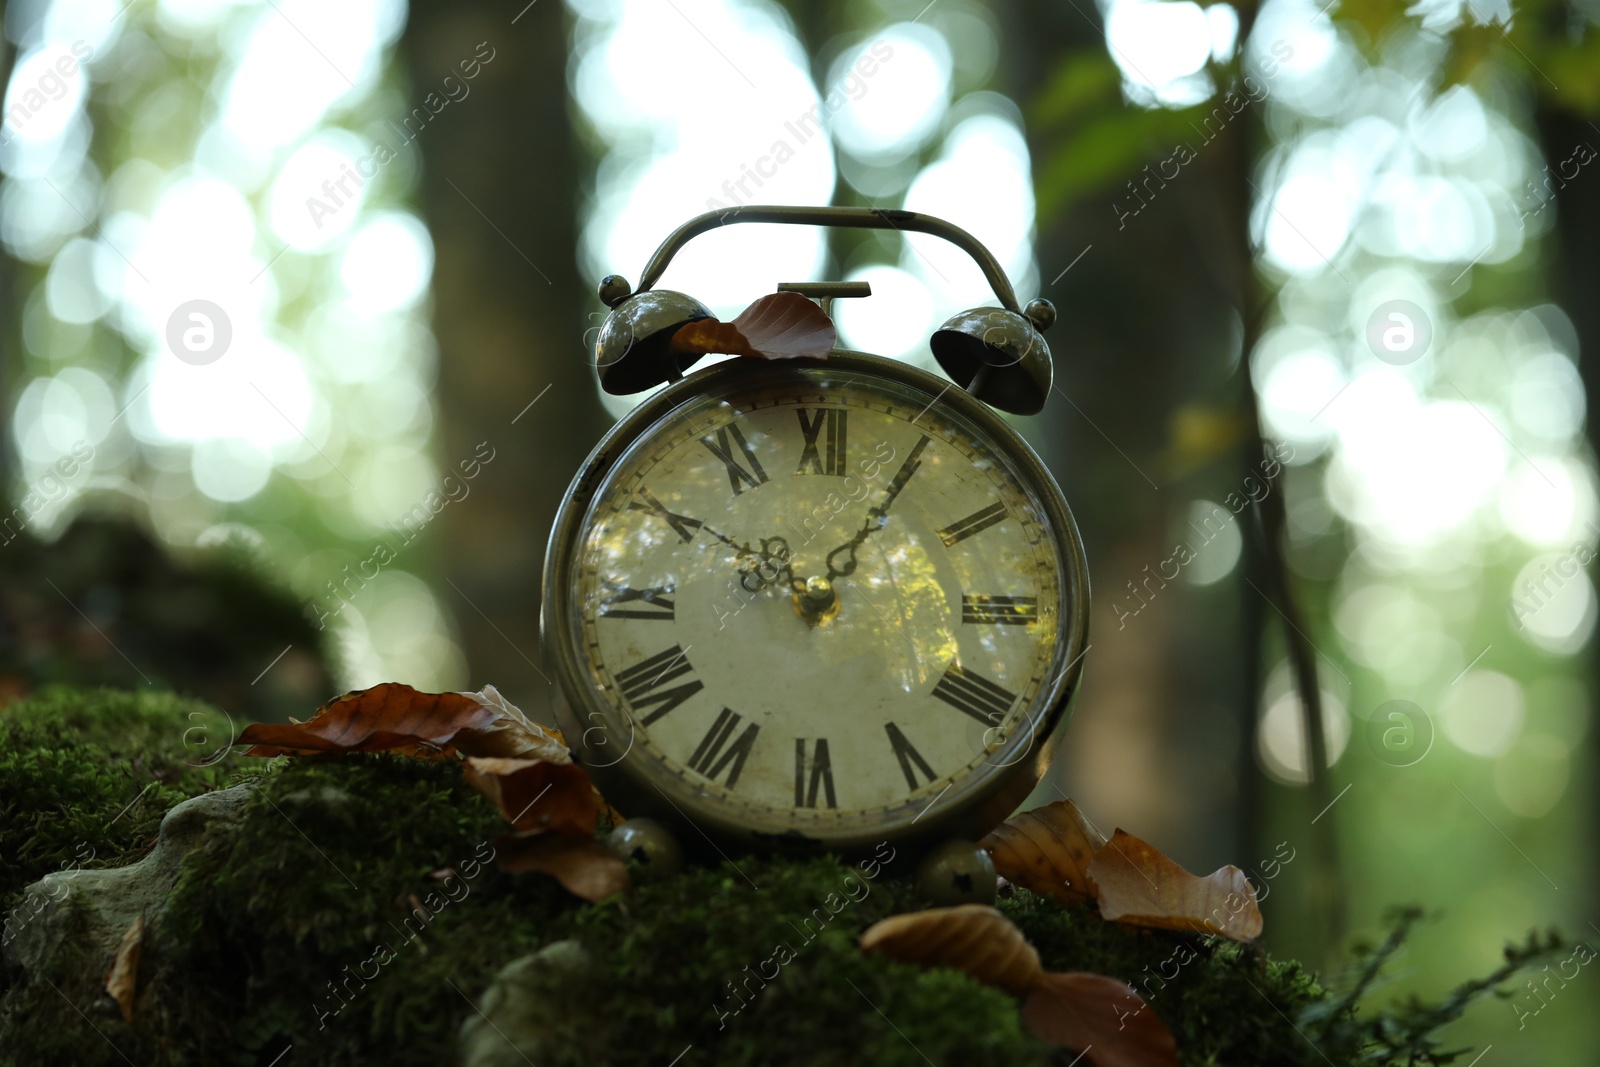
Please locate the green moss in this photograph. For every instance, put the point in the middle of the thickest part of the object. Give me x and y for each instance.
(326, 867)
(295, 926)
(1224, 1003)
(86, 775)
(685, 962)
(322, 869)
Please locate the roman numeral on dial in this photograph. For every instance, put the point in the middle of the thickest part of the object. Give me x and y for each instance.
(646, 683)
(685, 526)
(910, 759)
(971, 693)
(653, 603)
(820, 769)
(1004, 610)
(715, 754)
(977, 522)
(831, 458)
(903, 475)
(730, 439)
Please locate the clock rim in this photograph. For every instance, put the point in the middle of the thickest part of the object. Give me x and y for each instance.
(983, 806)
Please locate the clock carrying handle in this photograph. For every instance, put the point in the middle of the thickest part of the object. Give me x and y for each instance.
(861, 218)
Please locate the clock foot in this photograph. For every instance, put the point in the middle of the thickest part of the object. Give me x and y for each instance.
(652, 844)
(957, 872)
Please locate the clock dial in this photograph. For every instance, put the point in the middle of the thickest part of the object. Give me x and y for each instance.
(816, 597)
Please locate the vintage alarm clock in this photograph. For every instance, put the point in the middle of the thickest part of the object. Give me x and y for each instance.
(820, 602)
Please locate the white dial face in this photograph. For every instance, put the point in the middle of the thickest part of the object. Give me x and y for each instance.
(928, 638)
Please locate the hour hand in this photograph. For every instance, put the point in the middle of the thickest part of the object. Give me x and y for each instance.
(775, 564)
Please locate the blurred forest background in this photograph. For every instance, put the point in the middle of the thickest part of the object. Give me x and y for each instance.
(394, 215)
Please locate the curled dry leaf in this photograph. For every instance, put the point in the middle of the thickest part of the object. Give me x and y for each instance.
(1101, 1018)
(974, 938)
(1047, 850)
(122, 981)
(583, 866)
(537, 794)
(1141, 887)
(511, 734)
(777, 326)
(397, 718)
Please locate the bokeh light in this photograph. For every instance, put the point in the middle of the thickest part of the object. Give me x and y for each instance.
(887, 116)
(243, 205)
(1446, 461)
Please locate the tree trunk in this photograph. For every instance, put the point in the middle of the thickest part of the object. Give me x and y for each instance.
(498, 189)
(1143, 333)
(1575, 283)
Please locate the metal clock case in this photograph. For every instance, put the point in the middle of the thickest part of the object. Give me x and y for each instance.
(817, 603)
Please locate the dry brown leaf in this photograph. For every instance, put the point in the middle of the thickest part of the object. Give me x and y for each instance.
(397, 718)
(1101, 1018)
(536, 794)
(1141, 887)
(974, 938)
(1047, 850)
(582, 865)
(777, 326)
(122, 981)
(512, 735)
(388, 717)
(613, 816)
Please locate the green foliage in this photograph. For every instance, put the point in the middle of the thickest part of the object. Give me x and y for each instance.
(1084, 80)
(1102, 144)
(1553, 53)
(1410, 1032)
(1092, 140)
(299, 924)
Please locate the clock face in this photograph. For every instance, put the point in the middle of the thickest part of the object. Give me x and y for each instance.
(818, 601)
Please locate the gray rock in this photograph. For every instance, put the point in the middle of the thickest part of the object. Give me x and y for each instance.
(536, 1003)
(94, 908)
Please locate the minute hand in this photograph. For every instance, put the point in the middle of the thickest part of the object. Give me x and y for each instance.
(879, 515)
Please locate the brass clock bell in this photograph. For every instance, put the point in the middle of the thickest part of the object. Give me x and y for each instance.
(823, 602)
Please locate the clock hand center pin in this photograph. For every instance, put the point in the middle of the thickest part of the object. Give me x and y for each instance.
(818, 600)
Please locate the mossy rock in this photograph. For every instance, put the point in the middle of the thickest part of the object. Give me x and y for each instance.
(107, 603)
(317, 916)
(87, 911)
(86, 776)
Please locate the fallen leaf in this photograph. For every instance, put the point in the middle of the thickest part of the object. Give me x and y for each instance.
(777, 326)
(512, 734)
(1047, 850)
(613, 816)
(583, 866)
(1101, 1018)
(974, 938)
(397, 718)
(122, 981)
(537, 794)
(1141, 887)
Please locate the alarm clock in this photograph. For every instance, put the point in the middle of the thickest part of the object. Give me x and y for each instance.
(816, 603)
